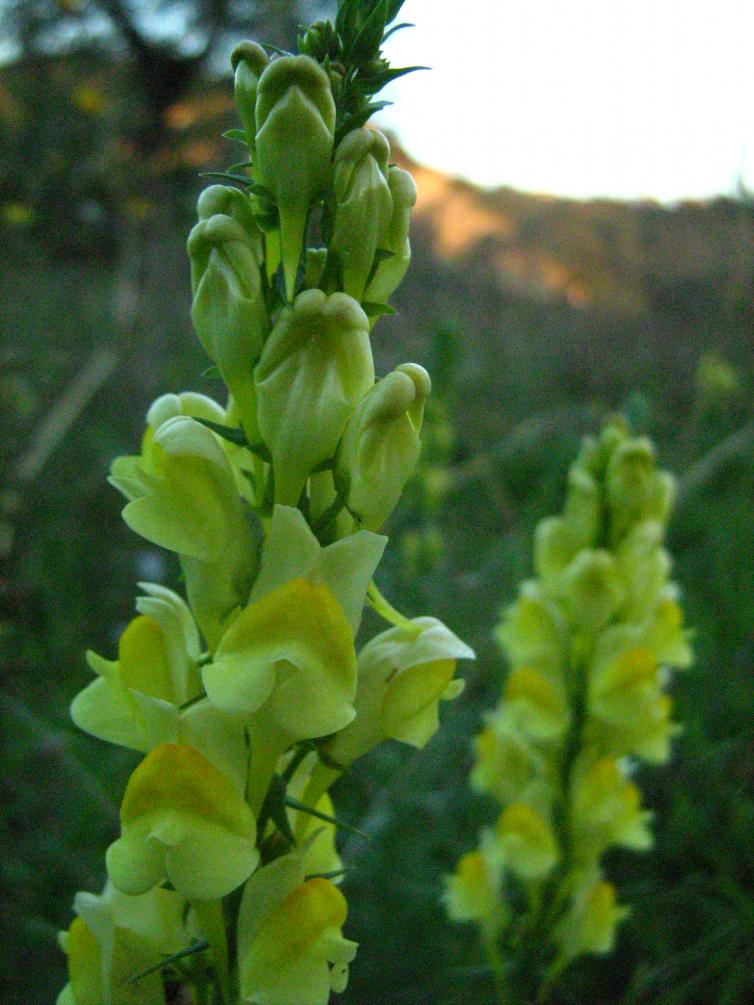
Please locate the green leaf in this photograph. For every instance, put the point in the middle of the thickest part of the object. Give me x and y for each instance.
(260, 450)
(389, 74)
(357, 119)
(395, 28)
(211, 373)
(303, 808)
(327, 875)
(366, 45)
(240, 179)
(241, 164)
(239, 135)
(197, 947)
(377, 310)
(274, 808)
(345, 21)
(380, 255)
(233, 434)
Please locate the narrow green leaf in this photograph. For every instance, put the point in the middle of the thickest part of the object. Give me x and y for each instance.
(366, 45)
(327, 875)
(197, 947)
(303, 808)
(211, 373)
(274, 808)
(395, 28)
(377, 310)
(237, 167)
(238, 135)
(233, 434)
(240, 179)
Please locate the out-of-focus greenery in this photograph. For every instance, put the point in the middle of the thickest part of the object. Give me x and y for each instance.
(603, 314)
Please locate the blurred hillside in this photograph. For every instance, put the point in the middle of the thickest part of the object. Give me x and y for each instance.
(536, 317)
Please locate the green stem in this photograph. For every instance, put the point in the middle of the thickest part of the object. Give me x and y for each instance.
(268, 744)
(386, 610)
(209, 914)
(497, 965)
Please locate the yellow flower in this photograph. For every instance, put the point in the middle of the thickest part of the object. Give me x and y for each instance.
(293, 651)
(182, 820)
(134, 700)
(472, 891)
(592, 918)
(404, 673)
(533, 632)
(115, 936)
(535, 705)
(290, 947)
(606, 809)
(526, 842)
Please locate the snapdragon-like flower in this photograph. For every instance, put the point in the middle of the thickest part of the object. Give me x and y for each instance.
(315, 368)
(392, 268)
(403, 675)
(182, 820)
(228, 310)
(135, 699)
(589, 642)
(114, 937)
(290, 945)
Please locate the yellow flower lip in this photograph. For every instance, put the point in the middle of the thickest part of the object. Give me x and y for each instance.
(310, 909)
(176, 777)
(290, 646)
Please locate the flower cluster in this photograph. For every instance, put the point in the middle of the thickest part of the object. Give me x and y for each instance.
(249, 697)
(589, 643)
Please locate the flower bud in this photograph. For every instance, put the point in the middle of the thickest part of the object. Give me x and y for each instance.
(188, 403)
(248, 61)
(380, 445)
(533, 632)
(315, 367)
(227, 200)
(390, 271)
(182, 820)
(635, 491)
(363, 205)
(228, 310)
(295, 122)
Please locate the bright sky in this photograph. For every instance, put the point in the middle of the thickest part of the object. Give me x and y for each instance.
(622, 98)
